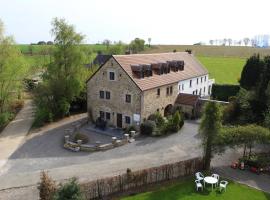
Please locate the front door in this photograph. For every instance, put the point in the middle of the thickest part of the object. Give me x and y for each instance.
(119, 120)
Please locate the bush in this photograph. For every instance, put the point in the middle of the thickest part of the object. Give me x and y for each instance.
(5, 118)
(173, 124)
(147, 127)
(157, 118)
(223, 92)
(42, 116)
(63, 107)
(47, 187)
(80, 136)
(69, 191)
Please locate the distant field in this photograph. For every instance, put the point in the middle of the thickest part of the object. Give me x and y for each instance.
(219, 51)
(224, 63)
(223, 70)
(39, 49)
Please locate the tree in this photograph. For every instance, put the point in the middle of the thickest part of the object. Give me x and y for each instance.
(149, 41)
(230, 41)
(116, 49)
(64, 79)
(225, 41)
(246, 136)
(246, 41)
(251, 72)
(69, 191)
(107, 43)
(13, 70)
(209, 129)
(211, 42)
(41, 43)
(137, 45)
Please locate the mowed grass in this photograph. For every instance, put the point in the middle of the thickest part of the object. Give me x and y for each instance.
(185, 190)
(225, 70)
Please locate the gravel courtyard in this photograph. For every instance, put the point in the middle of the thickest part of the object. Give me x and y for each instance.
(45, 150)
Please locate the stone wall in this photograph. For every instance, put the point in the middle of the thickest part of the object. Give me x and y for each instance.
(118, 89)
(153, 102)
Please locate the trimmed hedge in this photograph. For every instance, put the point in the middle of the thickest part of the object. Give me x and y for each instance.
(224, 92)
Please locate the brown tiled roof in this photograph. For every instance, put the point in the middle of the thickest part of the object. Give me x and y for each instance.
(186, 99)
(193, 68)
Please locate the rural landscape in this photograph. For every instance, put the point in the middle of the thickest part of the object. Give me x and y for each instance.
(128, 115)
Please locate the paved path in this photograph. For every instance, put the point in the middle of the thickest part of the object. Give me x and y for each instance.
(14, 134)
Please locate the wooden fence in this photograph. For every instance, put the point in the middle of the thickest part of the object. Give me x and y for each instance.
(99, 189)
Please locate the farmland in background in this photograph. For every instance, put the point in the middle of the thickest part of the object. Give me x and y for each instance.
(224, 63)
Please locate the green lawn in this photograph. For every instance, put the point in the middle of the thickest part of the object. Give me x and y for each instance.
(225, 70)
(186, 191)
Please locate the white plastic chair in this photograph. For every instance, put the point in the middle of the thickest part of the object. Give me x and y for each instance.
(199, 176)
(217, 177)
(198, 185)
(223, 185)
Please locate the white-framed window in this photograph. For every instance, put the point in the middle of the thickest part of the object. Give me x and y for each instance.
(183, 86)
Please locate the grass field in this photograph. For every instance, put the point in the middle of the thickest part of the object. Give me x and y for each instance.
(225, 70)
(224, 63)
(215, 51)
(186, 191)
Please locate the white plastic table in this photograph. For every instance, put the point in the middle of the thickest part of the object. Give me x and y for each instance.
(210, 180)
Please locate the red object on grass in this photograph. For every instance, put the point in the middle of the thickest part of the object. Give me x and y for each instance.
(254, 169)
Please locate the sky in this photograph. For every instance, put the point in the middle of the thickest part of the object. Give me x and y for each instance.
(165, 22)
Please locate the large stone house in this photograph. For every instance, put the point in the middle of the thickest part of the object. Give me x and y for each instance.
(126, 89)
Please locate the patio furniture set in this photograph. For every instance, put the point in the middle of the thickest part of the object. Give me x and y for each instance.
(213, 180)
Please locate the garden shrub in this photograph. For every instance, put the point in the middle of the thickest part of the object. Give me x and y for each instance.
(80, 136)
(69, 191)
(47, 187)
(42, 116)
(223, 92)
(157, 118)
(5, 118)
(147, 127)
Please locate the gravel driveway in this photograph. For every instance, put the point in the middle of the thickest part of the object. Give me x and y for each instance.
(44, 151)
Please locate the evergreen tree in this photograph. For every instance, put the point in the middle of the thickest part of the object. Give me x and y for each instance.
(209, 129)
(251, 72)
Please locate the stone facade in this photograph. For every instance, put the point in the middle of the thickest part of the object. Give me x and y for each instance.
(116, 105)
(152, 102)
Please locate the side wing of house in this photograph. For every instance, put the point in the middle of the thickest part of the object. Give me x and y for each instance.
(113, 96)
(160, 99)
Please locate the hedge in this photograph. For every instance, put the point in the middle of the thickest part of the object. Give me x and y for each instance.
(223, 92)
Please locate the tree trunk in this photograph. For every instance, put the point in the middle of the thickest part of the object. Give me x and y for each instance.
(245, 148)
(208, 154)
(249, 151)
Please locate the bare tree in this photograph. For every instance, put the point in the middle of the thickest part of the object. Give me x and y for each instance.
(107, 43)
(240, 42)
(253, 42)
(230, 41)
(246, 41)
(211, 42)
(224, 41)
(149, 41)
